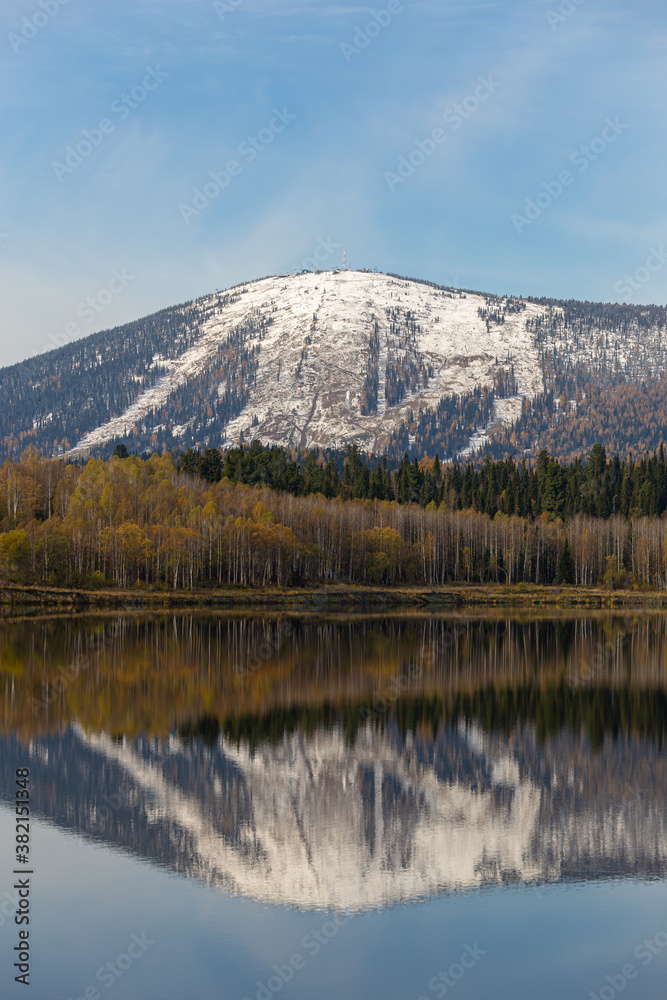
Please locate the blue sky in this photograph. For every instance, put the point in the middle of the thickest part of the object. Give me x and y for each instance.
(353, 101)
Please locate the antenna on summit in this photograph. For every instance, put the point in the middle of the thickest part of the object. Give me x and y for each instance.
(344, 261)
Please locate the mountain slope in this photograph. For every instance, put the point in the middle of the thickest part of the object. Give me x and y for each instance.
(325, 359)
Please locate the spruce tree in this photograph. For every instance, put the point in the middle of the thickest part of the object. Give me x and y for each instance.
(565, 573)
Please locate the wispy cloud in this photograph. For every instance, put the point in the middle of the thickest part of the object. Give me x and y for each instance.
(352, 120)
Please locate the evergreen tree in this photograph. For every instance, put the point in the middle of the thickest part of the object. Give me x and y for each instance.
(554, 490)
(627, 549)
(566, 568)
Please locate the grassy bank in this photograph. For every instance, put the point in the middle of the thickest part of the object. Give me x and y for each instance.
(341, 597)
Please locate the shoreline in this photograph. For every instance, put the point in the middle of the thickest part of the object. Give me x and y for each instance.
(335, 597)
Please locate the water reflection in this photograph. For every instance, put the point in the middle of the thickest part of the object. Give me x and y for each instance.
(134, 674)
(302, 783)
(316, 821)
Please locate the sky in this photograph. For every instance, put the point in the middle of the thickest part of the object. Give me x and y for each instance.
(154, 151)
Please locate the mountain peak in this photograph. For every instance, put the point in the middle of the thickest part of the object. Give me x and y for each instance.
(326, 359)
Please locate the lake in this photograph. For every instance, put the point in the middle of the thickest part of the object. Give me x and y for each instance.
(398, 806)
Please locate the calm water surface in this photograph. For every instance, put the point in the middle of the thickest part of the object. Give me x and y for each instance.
(323, 807)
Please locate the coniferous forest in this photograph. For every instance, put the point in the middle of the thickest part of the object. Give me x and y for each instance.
(264, 516)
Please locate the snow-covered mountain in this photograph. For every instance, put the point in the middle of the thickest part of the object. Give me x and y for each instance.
(314, 359)
(320, 822)
(322, 360)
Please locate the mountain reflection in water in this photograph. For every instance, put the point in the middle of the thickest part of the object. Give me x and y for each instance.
(323, 804)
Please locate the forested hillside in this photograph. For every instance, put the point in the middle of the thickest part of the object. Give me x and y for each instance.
(326, 360)
(135, 522)
(53, 400)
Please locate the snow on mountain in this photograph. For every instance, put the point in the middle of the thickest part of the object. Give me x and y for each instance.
(331, 358)
(314, 358)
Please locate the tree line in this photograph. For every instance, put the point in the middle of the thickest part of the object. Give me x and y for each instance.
(143, 522)
(598, 487)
